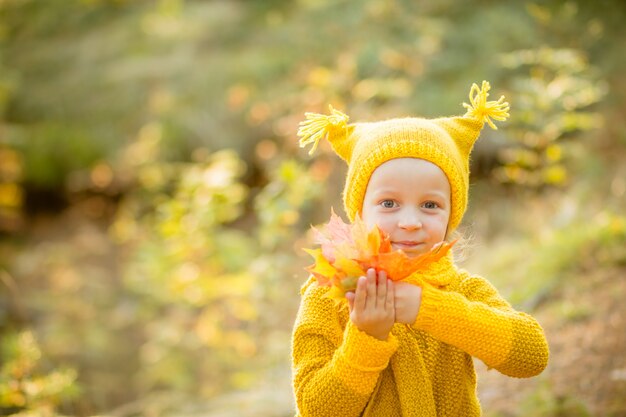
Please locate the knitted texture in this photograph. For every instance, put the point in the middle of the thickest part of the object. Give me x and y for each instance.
(424, 369)
(446, 142)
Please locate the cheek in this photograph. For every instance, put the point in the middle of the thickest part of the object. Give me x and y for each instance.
(386, 224)
(371, 217)
(437, 227)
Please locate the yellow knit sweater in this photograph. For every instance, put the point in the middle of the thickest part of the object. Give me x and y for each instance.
(424, 369)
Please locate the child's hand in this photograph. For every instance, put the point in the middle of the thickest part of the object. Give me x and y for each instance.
(408, 298)
(372, 304)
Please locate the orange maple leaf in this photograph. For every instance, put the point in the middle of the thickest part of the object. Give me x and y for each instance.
(399, 265)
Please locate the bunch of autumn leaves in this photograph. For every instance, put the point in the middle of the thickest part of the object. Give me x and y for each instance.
(347, 251)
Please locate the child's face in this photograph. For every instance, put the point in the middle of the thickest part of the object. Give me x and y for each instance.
(409, 199)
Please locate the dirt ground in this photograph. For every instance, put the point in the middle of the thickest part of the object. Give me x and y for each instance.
(586, 374)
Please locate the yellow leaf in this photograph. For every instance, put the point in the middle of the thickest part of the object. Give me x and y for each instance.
(360, 236)
(349, 267)
(322, 269)
(373, 242)
(349, 284)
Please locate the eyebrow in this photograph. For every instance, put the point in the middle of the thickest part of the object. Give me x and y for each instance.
(437, 194)
(386, 191)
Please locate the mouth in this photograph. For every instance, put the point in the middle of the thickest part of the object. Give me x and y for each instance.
(408, 245)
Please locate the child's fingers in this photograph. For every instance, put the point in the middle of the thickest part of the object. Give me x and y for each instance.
(360, 295)
(381, 296)
(371, 289)
(350, 297)
(391, 296)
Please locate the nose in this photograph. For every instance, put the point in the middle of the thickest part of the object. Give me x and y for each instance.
(410, 220)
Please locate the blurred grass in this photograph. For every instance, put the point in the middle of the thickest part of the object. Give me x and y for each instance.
(533, 268)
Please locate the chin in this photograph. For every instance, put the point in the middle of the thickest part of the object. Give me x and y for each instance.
(415, 254)
(412, 253)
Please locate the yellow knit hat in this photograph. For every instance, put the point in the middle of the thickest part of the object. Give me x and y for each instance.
(446, 142)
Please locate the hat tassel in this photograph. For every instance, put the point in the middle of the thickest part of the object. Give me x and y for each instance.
(484, 110)
(317, 126)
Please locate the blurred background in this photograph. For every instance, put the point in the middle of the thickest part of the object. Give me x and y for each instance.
(154, 200)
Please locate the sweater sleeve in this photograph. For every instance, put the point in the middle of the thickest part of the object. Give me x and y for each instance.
(480, 322)
(335, 370)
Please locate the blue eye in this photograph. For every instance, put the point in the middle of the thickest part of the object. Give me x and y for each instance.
(431, 205)
(388, 203)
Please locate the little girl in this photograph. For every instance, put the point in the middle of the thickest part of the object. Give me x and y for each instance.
(405, 348)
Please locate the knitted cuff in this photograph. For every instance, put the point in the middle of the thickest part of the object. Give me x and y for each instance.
(364, 352)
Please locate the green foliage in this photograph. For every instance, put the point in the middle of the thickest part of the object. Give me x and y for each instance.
(552, 91)
(26, 391)
(11, 193)
(11, 161)
(223, 87)
(203, 281)
(290, 187)
(55, 150)
(190, 269)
